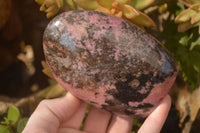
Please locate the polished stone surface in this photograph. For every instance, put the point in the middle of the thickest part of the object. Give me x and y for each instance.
(108, 62)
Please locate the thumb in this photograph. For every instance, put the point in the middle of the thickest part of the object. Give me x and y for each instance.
(50, 113)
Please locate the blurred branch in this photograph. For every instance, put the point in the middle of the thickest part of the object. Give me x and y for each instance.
(28, 104)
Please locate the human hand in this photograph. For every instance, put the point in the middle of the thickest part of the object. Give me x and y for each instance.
(65, 115)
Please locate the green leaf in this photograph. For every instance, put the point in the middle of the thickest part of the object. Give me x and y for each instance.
(129, 12)
(184, 26)
(195, 43)
(197, 24)
(141, 4)
(86, 114)
(182, 8)
(88, 4)
(6, 121)
(13, 114)
(105, 3)
(190, 75)
(195, 59)
(103, 9)
(136, 122)
(59, 3)
(195, 6)
(4, 129)
(185, 40)
(21, 125)
(143, 20)
(123, 1)
(184, 16)
(185, 48)
(71, 4)
(195, 18)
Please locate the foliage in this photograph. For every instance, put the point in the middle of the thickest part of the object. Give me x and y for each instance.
(185, 48)
(11, 120)
(21, 124)
(136, 125)
(86, 114)
(127, 9)
(51, 7)
(190, 17)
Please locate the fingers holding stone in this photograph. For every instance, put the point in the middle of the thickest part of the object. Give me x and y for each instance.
(97, 121)
(120, 124)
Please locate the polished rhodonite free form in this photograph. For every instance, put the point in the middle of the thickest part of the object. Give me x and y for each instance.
(108, 62)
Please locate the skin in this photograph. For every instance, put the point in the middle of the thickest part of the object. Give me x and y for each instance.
(65, 115)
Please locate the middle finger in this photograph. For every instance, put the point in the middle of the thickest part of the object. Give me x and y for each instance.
(97, 121)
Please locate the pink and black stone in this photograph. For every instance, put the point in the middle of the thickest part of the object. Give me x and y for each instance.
(108, 62)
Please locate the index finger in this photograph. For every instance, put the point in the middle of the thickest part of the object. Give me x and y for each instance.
(156, 119)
